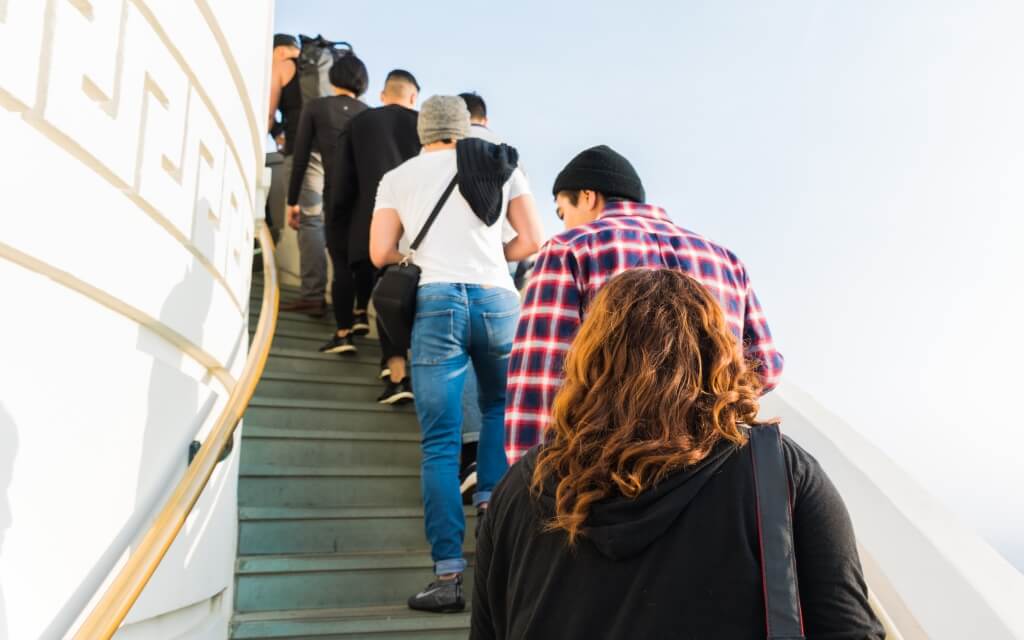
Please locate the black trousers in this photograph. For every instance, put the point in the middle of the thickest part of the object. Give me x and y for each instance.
(352, 283)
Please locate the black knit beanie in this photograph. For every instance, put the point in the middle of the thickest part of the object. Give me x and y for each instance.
(484, 168)
(603, 170)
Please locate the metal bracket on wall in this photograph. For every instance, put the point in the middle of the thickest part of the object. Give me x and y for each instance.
(195, 446)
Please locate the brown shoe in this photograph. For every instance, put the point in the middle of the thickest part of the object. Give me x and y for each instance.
(315, 308)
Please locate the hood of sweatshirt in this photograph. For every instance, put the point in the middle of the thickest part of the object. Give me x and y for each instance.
(623, 527)
(483, 169)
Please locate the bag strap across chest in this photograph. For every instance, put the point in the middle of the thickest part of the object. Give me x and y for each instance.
(783, 616)
(433, 216)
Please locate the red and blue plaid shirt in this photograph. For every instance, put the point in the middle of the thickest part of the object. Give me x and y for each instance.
(575, 264)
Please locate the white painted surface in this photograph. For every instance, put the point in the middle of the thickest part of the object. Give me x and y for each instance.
(946, 582)
(133, 140)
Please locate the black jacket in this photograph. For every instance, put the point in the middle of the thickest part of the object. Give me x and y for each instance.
(374, 142)
(680, 562)
(322, 121)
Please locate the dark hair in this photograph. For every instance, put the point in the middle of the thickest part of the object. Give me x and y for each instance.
(285, 40)
(349, 72)
(403, 76)
(653, 381)
(574, 197)
(476, 105)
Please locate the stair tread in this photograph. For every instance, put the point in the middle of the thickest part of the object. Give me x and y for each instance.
(254, 431)
(296, 332)
(250, 514)
(358, 620)
(291, 471)
(295, 317)
(348, 613)
(338, 405)
(320, 378)
(259, 284)
(306, 354)
(322, 562)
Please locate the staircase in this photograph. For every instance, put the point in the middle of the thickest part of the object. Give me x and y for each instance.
(330, 540)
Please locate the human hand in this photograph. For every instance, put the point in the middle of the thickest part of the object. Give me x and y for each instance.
(293, 216)
(279, 139)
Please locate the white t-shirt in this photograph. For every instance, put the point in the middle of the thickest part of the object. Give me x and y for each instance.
(484, 133)
(459, 247)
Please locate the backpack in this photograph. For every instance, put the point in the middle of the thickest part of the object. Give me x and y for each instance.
(314, 64)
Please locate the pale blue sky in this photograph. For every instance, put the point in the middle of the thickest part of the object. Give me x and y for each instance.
(866, 160)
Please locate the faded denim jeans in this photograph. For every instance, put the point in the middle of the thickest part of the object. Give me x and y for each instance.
(456, 324)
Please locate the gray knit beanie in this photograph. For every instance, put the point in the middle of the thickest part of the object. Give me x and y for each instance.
(443, 118)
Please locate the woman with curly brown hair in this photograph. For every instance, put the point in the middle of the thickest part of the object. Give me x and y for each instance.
(639, 517)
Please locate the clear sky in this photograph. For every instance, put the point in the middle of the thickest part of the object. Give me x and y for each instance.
(865, 159)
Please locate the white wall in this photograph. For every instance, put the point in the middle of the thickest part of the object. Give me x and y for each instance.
(132, 143)
(935, 577)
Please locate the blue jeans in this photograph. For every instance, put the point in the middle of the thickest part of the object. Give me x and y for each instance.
(456, 324)
(471, 418)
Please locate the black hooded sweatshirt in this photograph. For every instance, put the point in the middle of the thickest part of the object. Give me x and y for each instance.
(483, 169)
(681, 561)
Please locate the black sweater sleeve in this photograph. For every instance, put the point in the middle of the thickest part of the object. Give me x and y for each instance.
(833, 593)
(303, 147)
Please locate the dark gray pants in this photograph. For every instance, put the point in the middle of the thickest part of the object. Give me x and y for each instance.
(312, 243)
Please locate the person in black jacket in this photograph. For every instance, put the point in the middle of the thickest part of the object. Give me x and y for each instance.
(636, 517)
(374, 142)
(316, 142)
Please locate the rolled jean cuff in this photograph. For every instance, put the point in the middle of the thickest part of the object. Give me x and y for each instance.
(454, 565)
(481, 497)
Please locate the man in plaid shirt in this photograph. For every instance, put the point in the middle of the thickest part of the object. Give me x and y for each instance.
(609, 229)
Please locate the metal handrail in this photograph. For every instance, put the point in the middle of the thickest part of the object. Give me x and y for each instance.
(122, 593)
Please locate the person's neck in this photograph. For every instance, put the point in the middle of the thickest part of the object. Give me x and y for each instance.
(338, 91)
(387, 101)
(438, 146)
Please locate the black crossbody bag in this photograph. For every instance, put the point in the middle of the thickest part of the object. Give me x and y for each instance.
(394, 296)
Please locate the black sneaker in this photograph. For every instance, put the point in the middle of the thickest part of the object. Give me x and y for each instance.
(441, 596)
(361, 324)
(339, 345)
(396, 392)
(385, 373)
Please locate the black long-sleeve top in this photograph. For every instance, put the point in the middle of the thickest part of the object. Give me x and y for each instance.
(374, 142)
(320, 124)
(680, 561)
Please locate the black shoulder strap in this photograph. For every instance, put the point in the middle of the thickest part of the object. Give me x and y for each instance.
(433, 214)
(775, 534)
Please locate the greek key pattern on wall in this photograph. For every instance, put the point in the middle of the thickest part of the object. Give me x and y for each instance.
(133, 109)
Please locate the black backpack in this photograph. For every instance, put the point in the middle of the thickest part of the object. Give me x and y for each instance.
(314, 64)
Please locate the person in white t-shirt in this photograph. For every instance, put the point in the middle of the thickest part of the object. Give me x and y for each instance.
(479, 127)
(467, 309)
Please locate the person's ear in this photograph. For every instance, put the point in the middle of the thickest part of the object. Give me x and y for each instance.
(412, 99)
(592, 199)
